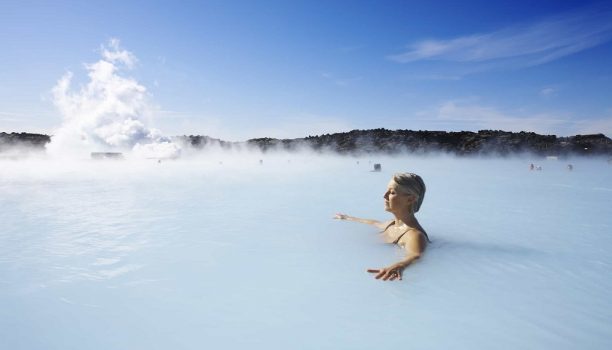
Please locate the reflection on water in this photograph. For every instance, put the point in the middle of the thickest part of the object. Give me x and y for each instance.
(186, 253)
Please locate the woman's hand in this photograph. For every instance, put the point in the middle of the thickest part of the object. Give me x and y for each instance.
(391, 273)
(340, 216)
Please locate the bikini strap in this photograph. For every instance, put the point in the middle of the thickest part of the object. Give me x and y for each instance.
(408, 229)
(391, 223)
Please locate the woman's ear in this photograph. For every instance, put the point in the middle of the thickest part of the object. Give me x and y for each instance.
(409, 202)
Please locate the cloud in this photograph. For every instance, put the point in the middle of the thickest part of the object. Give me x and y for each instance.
(340, 81)
(548, 92)
(522, 44)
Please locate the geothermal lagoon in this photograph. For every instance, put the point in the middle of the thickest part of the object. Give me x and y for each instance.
(221, 250)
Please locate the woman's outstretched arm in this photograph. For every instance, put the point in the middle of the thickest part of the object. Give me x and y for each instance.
(413, 243)
(378, 224)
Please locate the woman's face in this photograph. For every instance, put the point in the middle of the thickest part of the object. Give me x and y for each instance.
(395, 201)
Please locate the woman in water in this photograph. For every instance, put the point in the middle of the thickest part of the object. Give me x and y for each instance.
(403, 198)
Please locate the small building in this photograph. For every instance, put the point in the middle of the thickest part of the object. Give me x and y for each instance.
(106, 155)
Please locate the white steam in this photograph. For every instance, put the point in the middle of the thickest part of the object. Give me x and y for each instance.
(107, 113)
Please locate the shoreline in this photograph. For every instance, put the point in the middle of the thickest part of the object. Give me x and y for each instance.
(382, 141)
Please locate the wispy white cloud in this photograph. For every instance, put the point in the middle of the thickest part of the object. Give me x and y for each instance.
(340, 81)
(523, 44)
(548, 92)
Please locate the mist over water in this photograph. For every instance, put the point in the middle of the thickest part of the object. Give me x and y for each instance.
(222, 251)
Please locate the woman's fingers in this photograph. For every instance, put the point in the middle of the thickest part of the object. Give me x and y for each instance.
(386, 275)
(379, 272)
(393, 275)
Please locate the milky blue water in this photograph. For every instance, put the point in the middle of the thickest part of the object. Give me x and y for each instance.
(224, 252)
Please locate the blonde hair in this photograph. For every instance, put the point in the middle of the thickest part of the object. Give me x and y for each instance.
(410, 183)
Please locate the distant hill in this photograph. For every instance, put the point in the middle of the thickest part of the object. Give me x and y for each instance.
(383, 141)
(484, 142)
(19, 143)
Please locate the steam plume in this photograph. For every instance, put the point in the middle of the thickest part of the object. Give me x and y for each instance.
(107, 113)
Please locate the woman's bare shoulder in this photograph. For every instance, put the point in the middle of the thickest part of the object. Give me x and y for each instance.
(413, 236)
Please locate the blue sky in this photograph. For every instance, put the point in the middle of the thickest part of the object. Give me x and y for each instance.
(242, 69)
